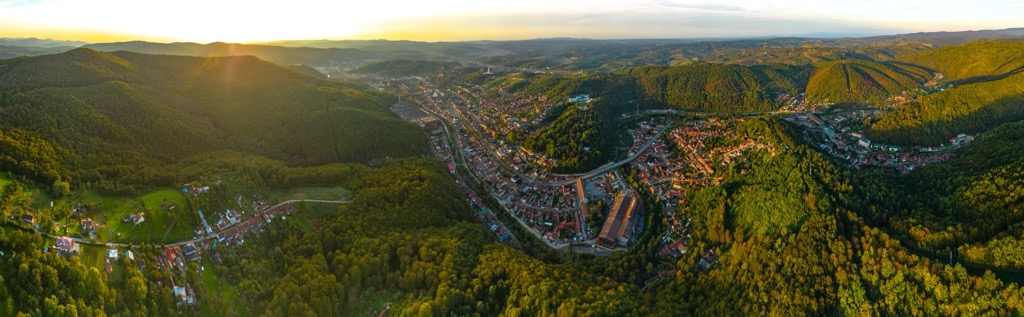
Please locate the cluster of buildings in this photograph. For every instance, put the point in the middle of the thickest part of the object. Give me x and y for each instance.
(173, 261)
(553, 210)
(841, 136)
(553, 207)
(440, 149)
(406, 111)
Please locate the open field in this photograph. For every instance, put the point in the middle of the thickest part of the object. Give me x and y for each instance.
(220, 296)
(93, 255)
(5, 179)
(110, 212)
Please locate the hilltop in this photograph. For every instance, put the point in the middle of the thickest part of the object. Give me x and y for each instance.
(975, 61)
(127, 115)
(863, 81)
(718, 87)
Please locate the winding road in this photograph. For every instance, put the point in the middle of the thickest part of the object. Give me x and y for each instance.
(609, 166)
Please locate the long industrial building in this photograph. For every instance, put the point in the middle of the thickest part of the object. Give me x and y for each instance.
(618, 228)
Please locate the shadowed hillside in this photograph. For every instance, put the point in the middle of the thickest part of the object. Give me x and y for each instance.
(129, 114)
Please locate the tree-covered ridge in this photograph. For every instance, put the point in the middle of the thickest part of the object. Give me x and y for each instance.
(578, 140)
(811, 54)
(975, 61)
(718, 87)
(969, 108)
(696, 87)
(403, 67)
(125, 115)
(773, 190)
(24, 154)
(863, 81)
(75, 68)
(826, 260)
(406, 238)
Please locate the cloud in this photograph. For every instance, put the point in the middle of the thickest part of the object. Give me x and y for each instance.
(240, 20)
(13, 3)
(703, 6)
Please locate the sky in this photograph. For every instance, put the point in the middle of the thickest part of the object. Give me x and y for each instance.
(206, 21)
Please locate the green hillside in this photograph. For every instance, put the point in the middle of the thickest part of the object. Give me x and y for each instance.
(975, 61)
(862, 81)
(970, 108)
(578, 140)
(718, 87)
(810, 54)
(127, 115)
(696, 87)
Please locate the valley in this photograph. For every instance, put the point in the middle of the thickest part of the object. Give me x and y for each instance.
(782, 176)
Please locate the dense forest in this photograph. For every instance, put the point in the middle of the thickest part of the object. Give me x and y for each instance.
(578, 140)
(863, 81)
(969, 108)
(695, 87)
(786, 224)
(783, 230)
(47, 284)
(719, 87)
(118, 120)
(976, 61)
(811, 54)
(805, 250)
(970, 204)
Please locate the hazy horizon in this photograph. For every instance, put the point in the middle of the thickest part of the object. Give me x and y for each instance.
(245, 22)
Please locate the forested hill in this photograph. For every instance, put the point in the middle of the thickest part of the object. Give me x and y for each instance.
(975, 61)
(124, 115)
(970, 108)
(697, 87)
(972, 204)
(860, 81)
(719, 87)
(986, 85)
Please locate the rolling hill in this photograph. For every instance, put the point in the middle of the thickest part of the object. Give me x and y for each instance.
(975, 61)
(130, 116)
(969, 108)
(862, 81)
(718, 87)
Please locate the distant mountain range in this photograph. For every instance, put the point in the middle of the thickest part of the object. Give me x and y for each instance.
(14, 47)
(583, 53)
(31, 41)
